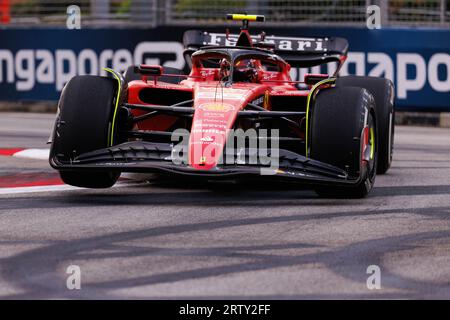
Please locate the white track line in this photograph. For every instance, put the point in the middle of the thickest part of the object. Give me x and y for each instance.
(17, 190)
(36, 189)
(43, 154)
(38, 154)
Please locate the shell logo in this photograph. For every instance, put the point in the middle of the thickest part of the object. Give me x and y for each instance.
(218, 107)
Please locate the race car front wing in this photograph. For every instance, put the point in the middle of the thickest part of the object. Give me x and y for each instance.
(142, 156)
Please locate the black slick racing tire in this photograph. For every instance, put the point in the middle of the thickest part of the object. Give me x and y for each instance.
(383, 92)
(343, 133)
(86, 108)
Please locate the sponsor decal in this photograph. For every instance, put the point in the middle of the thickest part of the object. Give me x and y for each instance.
(258, 101)
(207, 139)
(213, 115)
(210, 126)
(216, 107)
(38, 69)
(207, 73)
(222, 94)
(411, 72)
(270, 76)
(27, 68)
(262, 101)
(280, 43)
(208, 131)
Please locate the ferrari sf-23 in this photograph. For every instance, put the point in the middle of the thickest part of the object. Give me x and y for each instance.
(332, 133)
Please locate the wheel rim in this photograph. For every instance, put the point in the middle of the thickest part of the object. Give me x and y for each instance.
(369, 153)
(391, 135)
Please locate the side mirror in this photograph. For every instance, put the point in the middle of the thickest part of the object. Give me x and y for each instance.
(312, 79)
(149, 70)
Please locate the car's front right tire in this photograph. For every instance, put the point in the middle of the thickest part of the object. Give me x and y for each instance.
(383, 93)
(83, 124)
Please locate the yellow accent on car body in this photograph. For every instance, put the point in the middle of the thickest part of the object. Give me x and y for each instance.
(116, 76)
(308, 102)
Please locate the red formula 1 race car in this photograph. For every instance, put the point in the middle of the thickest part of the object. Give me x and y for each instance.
(237, 114)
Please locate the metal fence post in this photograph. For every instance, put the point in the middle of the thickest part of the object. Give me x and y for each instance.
(443, 11)
(144, 12)
(257, 7)
(99, 9)
(384, 11)
(166, 12)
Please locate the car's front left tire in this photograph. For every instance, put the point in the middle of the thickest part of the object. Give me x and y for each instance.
(344, 134)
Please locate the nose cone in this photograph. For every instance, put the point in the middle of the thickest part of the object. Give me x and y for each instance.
(216, 110)
(212, 120)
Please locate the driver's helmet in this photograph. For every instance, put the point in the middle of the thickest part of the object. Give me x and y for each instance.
(245, 71)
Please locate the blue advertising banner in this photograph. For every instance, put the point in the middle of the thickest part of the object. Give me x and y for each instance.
(36, 63)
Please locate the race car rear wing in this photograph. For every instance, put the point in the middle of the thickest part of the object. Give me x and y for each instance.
(298, 52)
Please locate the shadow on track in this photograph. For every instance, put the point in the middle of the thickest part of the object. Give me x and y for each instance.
(36, 271)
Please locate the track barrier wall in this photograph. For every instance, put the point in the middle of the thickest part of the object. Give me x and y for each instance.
(36, 63)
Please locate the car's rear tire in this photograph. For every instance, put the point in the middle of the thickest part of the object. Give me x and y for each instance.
(83, 124)
(339, 119)
(383, 92)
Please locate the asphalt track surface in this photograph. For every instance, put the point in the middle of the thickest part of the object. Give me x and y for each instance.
(147, 240)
